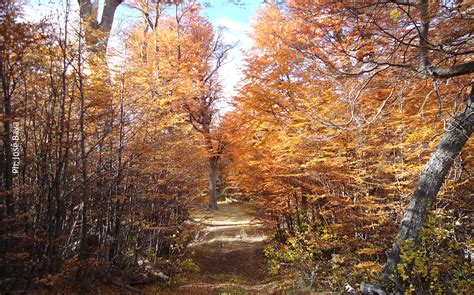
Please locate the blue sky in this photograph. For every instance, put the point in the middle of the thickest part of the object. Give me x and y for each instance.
(239, 13)
(237, 19)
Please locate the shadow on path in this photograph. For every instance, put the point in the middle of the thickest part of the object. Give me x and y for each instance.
(229, 251)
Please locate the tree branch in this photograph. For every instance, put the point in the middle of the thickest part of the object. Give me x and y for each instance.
(399, 2)
(454, 71)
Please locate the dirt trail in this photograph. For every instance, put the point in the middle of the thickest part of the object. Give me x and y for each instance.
(229, 252)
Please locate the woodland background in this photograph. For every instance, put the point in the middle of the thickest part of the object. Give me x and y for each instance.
(340, 109)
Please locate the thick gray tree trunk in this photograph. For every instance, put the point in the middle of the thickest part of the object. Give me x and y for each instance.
(429, 183)
(89, 12)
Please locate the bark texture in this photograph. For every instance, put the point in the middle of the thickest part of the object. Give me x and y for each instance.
(213, 182)
(89, 14)
(429, 183)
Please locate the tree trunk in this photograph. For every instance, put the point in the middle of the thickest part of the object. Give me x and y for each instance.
(428, 185)
(84, 164)
(213, 182)
(89, 11)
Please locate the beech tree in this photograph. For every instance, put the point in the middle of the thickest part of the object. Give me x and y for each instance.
(11, 58)
(201, 106)
(345, 108)
(106, 179)
(195, 53)
(200, 54)
(320, 71)
(430, 40)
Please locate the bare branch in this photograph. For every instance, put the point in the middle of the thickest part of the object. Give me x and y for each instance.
(454, 71)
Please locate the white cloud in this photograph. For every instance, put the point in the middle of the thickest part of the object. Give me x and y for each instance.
(231, 24)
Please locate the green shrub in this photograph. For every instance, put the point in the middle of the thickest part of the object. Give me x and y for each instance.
(437, 264)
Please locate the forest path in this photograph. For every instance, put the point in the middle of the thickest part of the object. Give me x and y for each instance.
(229, 251)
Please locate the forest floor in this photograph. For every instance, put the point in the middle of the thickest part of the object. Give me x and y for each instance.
(228, 249)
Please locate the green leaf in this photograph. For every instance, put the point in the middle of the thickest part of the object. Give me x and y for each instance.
(395, 15)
